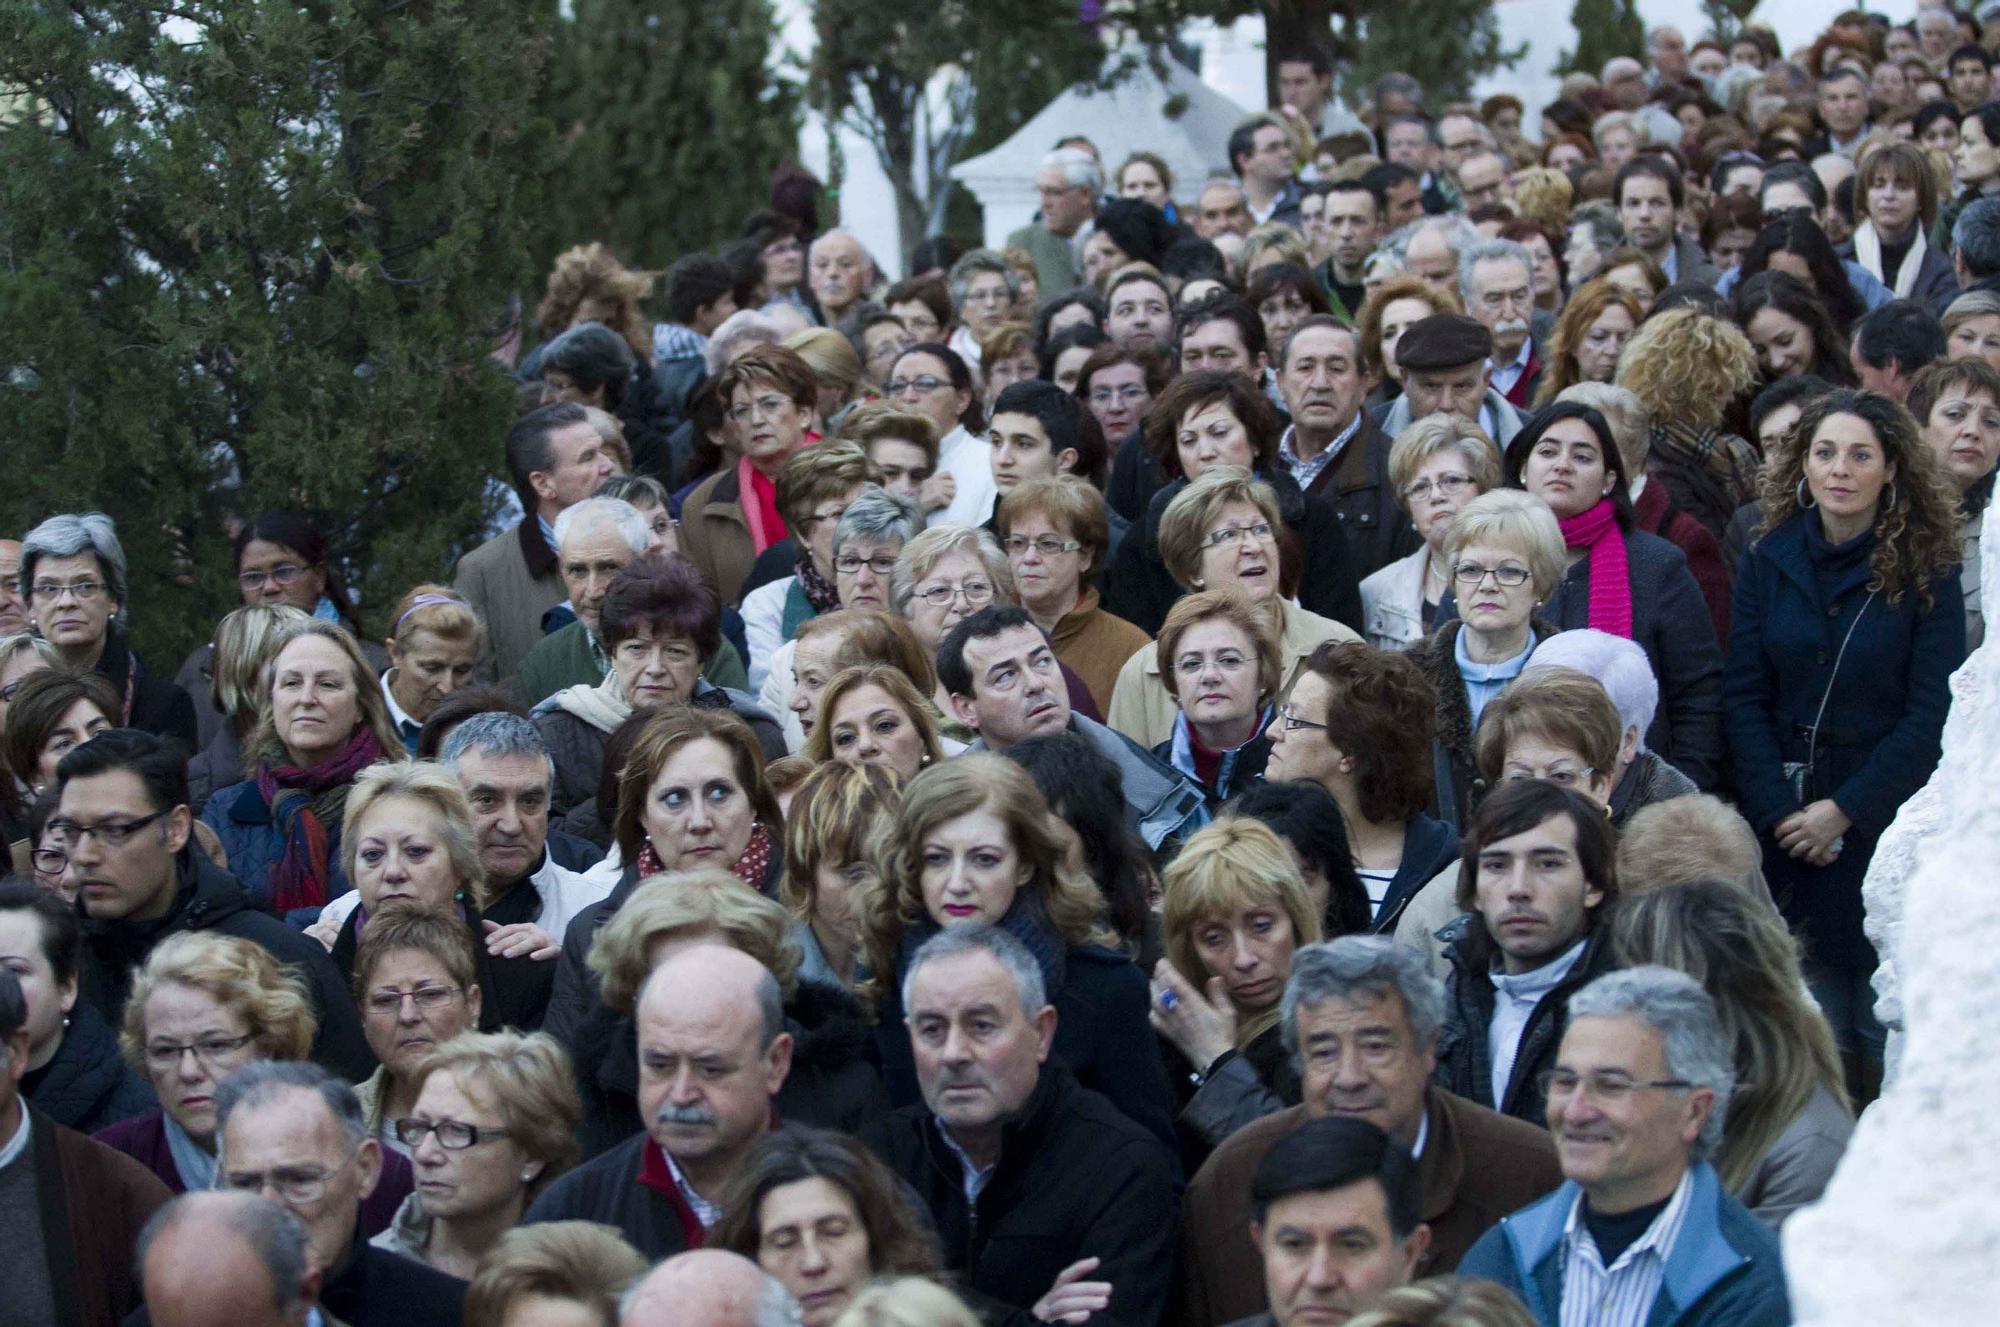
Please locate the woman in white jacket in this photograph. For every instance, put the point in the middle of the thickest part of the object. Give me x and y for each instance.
(1437, 465)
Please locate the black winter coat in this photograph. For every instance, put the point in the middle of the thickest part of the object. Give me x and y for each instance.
(1139, 589)
(87, 1087)
(1074, 1179)
(152, 704)
(606, 1189)
(833, 1082)
(1378, 529)
(211, 899)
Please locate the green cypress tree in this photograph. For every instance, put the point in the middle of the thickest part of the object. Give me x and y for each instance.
(1604, 29)
(257, 254)
(670, 123)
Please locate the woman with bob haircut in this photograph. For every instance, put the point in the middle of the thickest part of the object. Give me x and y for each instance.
(431, 958)
(1220, 532)
(575, 1268)
(325, 720)
(1591, 334)
(824, 1215)
(831, 1083)
(974, 840)
(1058, 539)
(55, 711)
(245, 640)
(1847, 626)
(1624, 581)
(1214, 418)
(1218, 658)
(1236, 911)
(1957, 406)
(871, 715)
(434, 641)
(1436, 465)
(835, 815)
(1896, 202)
(494, 1123)
(1789, 1119)
(1972, 327)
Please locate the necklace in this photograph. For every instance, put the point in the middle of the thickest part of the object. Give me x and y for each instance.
(1433, 573)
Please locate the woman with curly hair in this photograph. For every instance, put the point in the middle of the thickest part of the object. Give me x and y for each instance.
(1595, 326)
(1688, 369)
(975, 841)
(589, 284)
(1848, 622)
(1790, 329)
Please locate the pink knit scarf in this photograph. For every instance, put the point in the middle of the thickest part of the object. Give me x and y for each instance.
(1596, 532)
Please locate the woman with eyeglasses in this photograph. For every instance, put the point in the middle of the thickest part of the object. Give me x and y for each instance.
(1118, 386)
(202, 1006)
(933, 380)
(1218, 658)
(1057, 536)
(984, 290)
(1436, 465)
(73, 577)
(493, 1123)
(1220, 532)
(416, 979)
(945, 575)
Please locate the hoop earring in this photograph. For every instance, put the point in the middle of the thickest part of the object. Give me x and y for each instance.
(1890, 504)
(1804, 503)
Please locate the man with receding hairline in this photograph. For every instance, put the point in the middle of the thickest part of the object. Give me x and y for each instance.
(708, 1288)
(13, 608)
(235, 1258)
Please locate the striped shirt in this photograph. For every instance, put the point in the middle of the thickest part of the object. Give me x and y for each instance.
(1623, 1294)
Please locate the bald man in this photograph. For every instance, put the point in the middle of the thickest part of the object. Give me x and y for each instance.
(709, 1288)
(840, 274)
(238, 1258)
(13, 608)
(713, 1052)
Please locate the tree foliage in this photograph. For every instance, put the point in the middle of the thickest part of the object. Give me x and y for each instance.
(1605, 29)
(254, 254)
(669, 122)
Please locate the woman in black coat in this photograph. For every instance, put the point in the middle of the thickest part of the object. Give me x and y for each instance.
(1216, 417)
(1847, 624)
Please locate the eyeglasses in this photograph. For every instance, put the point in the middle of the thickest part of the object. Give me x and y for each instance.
(1471, 573)
(1606, 1088)
(211, 1051)
(923, 386)
(296, 1186)
(1194, 665)
(1560, 776)
(1047, 545)
(847, 564)
(48, 592)
(975, 592)
(452, 1135)
(1127, 394)
(1450, 485)
(1257, 532)
(388, 1003)
(1289, 717)
(49, 861)
(284, 574)
(110, 833)
(808, 524)
(764, 407)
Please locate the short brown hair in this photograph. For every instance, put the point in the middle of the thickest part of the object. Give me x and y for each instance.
(877, 421)
(1005, 341)
(1197, 391)
(1569, 708)
(580, 1261)
(1151, 365)
(1685, 839)
(1906, 160)
(1067, 503)
(819, 474)
(441, 935)
(665, 593)
(1516, 808)
(528, 1081)
(1184, 524)
(1404, 285)
(1971, 374)
(874, 637)
(673, 727)
(772, 366)
(1232, 607)
(899, 1240)
(45, 696)
(1383, 714)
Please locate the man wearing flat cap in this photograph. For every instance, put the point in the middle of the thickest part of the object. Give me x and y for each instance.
(1444, 359)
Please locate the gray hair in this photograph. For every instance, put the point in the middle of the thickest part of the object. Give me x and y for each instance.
(1079, 169)
(775, 1306)
(972, 263)
(71, 535)
(1491, 251)
(635, 489)
(495, 733)
(1976, 236)
(1459, 235)
(1674, 1005)
(984, 938)
(739, 331)
(275, 1237)
(1939, 13)
(1362, 965)
(617, 513)
(876, 513)
(939, 542)
(1612, 121)
(1602, 218)
(255, 1084)
(1399, 84)
(1618, 665)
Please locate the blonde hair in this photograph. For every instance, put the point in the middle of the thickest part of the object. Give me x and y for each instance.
(820, 473)
(915, 706)
(1184, 524)
(907, 1301)
(1226, 605)
(246, 640)
(1589, 302)
(438, 609)
(621, 955)
(1544, 195)
(590, 271)
(410, 927)
(1604, 124)
(1444, 431)
(580, 1261)
(830, 356)
(527, 1080)
(874, 421)
(1518, 520)
(236, 974)
(1696, 837)
(1006, 340)
(1272, 237)
(441, 793)
(1401, 286)
(836, 814)
(1447, 1301)
(1687, 368)
(26, 642)
(373, 708)
(921, 555)
(1232, 863)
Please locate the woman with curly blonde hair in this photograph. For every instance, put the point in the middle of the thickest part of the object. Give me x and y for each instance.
(1688, 369)
(975, 841)
(1545, 195)
(1847, 624)
(1595, 327)
(589, 284)
(835, 815)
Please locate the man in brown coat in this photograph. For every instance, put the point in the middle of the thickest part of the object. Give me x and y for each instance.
(1361, 1015)
(70, 1208)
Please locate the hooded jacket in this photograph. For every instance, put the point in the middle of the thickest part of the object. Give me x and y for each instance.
(210, 899)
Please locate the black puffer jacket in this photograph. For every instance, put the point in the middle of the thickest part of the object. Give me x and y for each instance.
(833, 1084)
(87, 1087)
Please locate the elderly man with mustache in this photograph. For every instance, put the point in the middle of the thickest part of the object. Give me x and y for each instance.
(1496, 278)
(713, 1052)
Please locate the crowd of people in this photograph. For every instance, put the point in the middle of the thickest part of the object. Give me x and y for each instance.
(1291, 749)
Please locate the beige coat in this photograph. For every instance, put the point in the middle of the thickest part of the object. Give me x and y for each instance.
(511, 580)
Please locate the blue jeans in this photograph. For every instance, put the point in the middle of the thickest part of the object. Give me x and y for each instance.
(1848, 1001)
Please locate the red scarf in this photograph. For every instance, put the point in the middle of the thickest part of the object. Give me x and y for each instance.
(304, 804)
(750, 868)
(1596, 531)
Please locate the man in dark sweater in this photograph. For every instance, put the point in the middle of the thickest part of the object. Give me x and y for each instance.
(1046, 1199)
(713, 1052)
